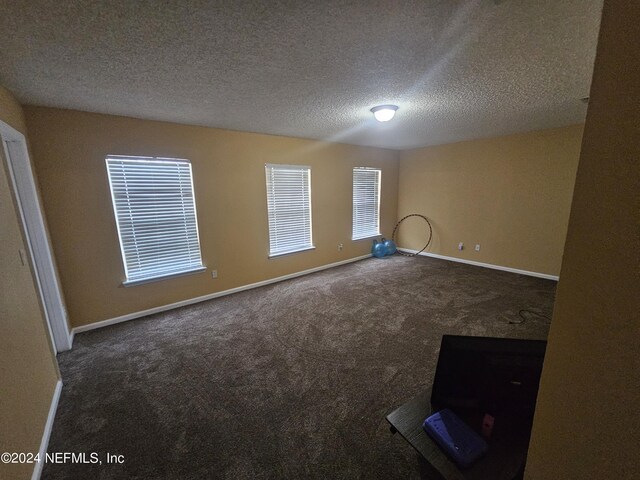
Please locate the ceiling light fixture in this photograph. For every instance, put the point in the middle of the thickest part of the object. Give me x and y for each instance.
(384, 113)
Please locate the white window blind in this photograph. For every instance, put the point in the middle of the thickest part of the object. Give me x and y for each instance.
(366, 202)
(155, 213)
(289, 208)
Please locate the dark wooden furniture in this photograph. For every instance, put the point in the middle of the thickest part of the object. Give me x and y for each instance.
(507, 446)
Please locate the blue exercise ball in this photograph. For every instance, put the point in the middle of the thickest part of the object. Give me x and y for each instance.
(378, 249)
(389, 246)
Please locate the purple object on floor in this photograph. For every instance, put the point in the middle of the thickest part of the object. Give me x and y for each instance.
(456, 438)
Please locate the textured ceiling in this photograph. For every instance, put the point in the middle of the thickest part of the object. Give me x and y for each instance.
(457, 69)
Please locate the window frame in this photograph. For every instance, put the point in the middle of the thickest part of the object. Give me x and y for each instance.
(303, 247)
(132, 279)
(354, 216)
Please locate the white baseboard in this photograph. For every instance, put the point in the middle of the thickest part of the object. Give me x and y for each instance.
(486, 265)
(37, 469)
(164, 308)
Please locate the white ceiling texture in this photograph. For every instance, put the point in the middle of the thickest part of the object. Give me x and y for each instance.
(458, 70)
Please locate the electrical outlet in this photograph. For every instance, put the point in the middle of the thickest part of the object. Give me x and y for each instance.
(214, 273)
(477, 247)
(460, 246)
(340, 246)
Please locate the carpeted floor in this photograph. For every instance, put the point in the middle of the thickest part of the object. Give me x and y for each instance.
(288, 381)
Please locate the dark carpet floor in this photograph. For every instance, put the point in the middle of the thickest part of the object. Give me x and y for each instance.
(288, 381)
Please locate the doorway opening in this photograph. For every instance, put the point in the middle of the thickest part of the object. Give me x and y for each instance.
(14, 147)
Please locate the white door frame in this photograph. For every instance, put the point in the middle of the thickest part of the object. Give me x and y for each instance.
(26, 193)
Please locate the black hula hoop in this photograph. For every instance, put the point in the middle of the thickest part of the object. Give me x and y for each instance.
(393, 235)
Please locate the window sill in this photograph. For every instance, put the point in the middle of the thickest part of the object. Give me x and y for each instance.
(274, 255)
(133, 283)
(366, 238)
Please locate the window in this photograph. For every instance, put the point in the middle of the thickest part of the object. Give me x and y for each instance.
(289, 208)
(155, 213)
(366, 203)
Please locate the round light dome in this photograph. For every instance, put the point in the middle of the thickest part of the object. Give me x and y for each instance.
(384, 113)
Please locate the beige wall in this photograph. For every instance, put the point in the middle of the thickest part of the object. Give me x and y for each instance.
(11, 111)
(69, 149)
(587, 424)
(28, 370)
(510, 194)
